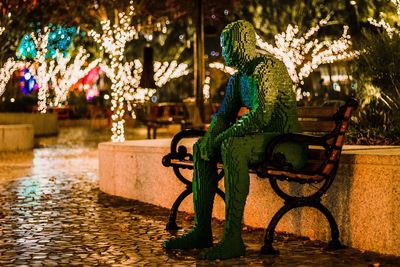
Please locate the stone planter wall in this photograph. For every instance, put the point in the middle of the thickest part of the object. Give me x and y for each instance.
(365, 197)
(16, 137)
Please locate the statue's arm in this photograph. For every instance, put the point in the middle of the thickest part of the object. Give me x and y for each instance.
(228, 109)
(221, 120)
(270, 78)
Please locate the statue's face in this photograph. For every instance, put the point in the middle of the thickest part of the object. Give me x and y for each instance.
(226, 45)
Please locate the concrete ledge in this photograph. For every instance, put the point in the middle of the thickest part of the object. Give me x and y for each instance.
(43, 124)
(97, 123)
(364, 198)
(16, 137)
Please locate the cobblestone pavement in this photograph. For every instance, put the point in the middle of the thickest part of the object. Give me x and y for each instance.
(52, 213)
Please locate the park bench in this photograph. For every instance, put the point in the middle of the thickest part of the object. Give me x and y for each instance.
(324, 131)
(162, 115)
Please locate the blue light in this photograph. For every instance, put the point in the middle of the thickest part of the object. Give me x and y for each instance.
(27, 48)
(59, 39)
(27, 82)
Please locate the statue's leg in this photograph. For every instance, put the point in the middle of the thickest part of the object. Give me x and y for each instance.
(237, 153)
(204, 184)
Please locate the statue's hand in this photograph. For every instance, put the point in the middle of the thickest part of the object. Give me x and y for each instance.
(206, 147)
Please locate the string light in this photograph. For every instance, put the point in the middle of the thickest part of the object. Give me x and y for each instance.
(164, 72)
(302, 54)
(6, 72)
(130, 73)
(386, 26)
(70, 74)
(222, 67)
(206, 88)
(1, 30)
(397, 4)
(54, 64)
(112, 40)
(42, 70)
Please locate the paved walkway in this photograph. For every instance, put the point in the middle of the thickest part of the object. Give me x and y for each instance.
(52, 213)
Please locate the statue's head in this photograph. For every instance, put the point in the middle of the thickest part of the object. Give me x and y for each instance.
(238, 43)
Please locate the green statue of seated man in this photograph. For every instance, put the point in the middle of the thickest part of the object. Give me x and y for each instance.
(262, 84)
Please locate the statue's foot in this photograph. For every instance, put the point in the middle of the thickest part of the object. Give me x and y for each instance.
(226, 249)
(194, 239)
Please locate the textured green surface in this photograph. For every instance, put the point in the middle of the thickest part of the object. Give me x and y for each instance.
(263, 85)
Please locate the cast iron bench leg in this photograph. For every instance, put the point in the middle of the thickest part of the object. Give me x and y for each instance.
(334, 243)
(268, 249)
(171, 225)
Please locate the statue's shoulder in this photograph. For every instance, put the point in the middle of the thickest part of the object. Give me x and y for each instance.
(268, 64)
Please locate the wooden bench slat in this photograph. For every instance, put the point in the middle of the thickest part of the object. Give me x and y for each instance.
(305, 112)
(312, 165)
(316, 154)
(317, 126)
(316, 112)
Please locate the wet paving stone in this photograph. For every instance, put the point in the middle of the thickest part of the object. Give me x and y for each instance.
(53, 214)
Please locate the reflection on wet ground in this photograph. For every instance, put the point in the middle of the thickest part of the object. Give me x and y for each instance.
(52, 213)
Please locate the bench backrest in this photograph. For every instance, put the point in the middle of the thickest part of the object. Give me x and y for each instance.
(331, 123)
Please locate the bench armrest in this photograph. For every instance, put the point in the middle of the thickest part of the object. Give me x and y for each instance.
(180, 152)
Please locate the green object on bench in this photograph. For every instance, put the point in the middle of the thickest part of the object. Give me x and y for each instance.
(263, 85)
(266, 141)
(324, 130)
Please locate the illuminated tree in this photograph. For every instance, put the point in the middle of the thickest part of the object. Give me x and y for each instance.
(35, 46)
(113, 40)
(130, 74)
(6, 71)
(303, 53)
(69, 73)
(383, 23)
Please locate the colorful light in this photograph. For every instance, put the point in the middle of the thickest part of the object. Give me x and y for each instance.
(27, 48)
(59, 39)
(27, 82)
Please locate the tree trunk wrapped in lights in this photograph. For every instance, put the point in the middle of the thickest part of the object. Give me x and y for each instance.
(6, 71)
(113, 40)
(41, 69)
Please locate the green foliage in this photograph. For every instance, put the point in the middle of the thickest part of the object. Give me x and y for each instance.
(375, 124)
(380, 64)
(378, 121)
